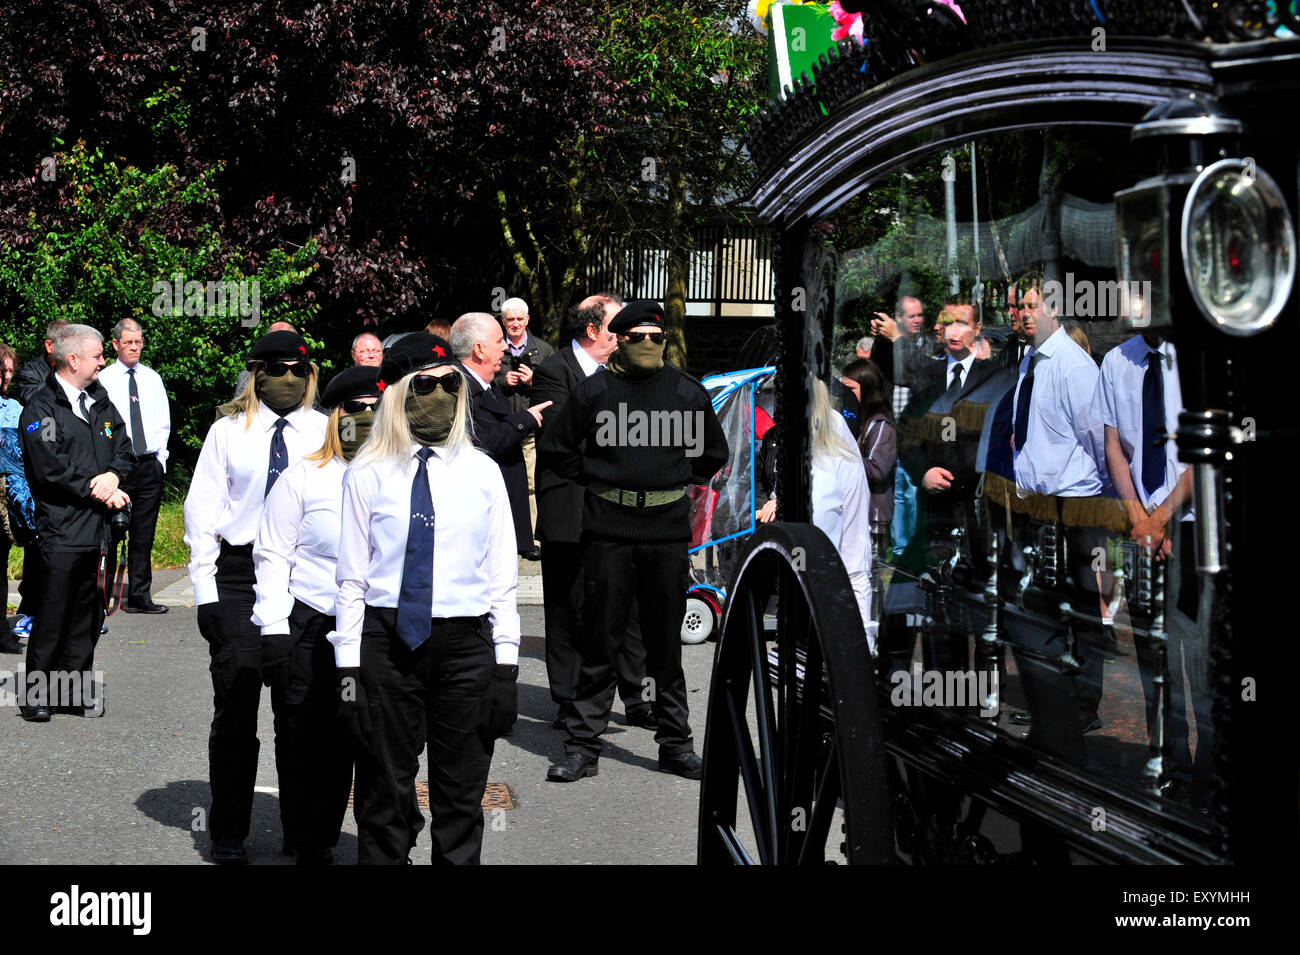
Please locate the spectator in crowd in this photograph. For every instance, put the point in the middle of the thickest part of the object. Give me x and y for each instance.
(12, 498)
(1013, 352)
(271, 426)
(367, 350)
(877, 441)
(295, 555)
(427, 638)
(635, 530)
(559, 522)
(76, 454)
(140, 398)
(524, 353)
(864, 346)
(478, 342)
(1080, 337)
(440, 327)
(33, 374)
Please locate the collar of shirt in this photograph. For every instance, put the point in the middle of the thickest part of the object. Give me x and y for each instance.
(473, 374)
(517, 349)
(588, 364)
(266, 418)
(965, 366)
(1055, 341)
(73, 394)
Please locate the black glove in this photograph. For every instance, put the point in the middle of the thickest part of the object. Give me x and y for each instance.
(276, 649)
(209, 621)
(501, 704)
(353, 709)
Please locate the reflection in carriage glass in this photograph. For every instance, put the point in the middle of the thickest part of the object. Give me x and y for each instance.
(1038, 571)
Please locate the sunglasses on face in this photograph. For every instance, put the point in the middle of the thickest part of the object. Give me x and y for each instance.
(635, 337)
(356, 406)
(277, 369)
(427, 384)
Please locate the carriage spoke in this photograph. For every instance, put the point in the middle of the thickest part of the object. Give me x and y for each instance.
(749, 772)
(823, 810)
(763, 713)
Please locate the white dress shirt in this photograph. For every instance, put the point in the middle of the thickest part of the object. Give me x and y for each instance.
(155, 412)
(1119, 404)
(475, 570)
(74, 396)
(841, 503)
(588, 364)
(1064, 441)
(965, 369)
(487, 386)
(229, 484)
(297, 543)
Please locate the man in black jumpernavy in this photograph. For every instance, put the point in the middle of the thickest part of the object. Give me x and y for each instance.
(636, 437)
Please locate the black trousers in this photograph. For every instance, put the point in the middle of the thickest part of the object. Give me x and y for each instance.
(66, 627)
(563, 584)
(655, 577)
(313, 755)
(5, 546)
(29, 588)
(236, 667)
(145, 487)
(433, 694)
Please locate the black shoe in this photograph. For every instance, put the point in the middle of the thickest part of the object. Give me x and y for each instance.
(1021, 719)
(644, 718)
(532, 553)
(573, 767)
(9, 644)
(229, 853)
(688, 765)
(1089, 722)
(35, 714)
(143, 606)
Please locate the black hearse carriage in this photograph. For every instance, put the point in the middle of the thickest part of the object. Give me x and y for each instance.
(1092, 145)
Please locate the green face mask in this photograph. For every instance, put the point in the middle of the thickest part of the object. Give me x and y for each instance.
(636, 359)
(430, 416)
(353, 431)
(281, 394)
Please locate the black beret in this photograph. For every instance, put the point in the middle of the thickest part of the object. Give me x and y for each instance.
(414, 352)
(279, 346)
(643, 312)
(361, 381)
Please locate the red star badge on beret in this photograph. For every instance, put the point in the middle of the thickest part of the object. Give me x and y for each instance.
(303, 349)
(382, 385)
(439, 351)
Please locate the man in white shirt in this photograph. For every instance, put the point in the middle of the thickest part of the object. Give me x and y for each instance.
(141, 400)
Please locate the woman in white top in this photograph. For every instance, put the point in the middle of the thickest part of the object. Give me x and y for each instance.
(270, 426)
(294, 556)
(427, 639)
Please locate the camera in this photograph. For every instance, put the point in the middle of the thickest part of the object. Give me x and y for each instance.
(120, 522)
(514, 361)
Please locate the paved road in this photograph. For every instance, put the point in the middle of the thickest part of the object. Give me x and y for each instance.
(130, 787)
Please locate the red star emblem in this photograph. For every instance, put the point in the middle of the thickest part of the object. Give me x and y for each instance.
(303, 349)
(439, 351)
(382, 385)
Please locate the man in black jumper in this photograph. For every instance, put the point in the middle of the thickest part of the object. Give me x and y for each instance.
(559, 521)
(636, 437)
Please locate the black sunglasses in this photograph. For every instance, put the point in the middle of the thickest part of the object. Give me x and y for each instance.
(356, 406)
(427, 384)
(278, 368)
(635, 337)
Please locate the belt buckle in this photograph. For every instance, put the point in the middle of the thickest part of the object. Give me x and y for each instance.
(640, 498)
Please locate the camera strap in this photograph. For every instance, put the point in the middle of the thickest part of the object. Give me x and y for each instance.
(110, 591)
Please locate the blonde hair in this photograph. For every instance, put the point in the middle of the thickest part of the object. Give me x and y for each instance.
(390, 436)
(247, 404)
(333, 446)
(824, 439)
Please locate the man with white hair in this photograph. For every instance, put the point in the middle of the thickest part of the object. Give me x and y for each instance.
(367, 349)
(76, 452)
(479, 343)
(524, 354)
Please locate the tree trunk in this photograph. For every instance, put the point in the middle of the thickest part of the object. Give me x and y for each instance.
(679, 236)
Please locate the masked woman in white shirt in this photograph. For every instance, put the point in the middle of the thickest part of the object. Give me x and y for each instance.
(270, 426)
(427, 639)
(294, 556)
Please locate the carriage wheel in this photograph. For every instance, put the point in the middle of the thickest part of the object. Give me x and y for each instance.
(793, 716)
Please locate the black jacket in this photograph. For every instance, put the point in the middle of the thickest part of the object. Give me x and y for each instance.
(500, 432)
(559, 501)
(61, 453)
(535, 352)
(30, 377)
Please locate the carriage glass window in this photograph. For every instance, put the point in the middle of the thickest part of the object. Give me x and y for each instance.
(1030, 523)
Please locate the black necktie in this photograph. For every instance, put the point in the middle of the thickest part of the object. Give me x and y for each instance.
(955, 384)
(415, 599)
(279, 457)
(1153, 424)
(1022, 405)
(138, 444)
(85, 408)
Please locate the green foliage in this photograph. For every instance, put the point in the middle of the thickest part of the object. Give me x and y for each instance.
(100, 260)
